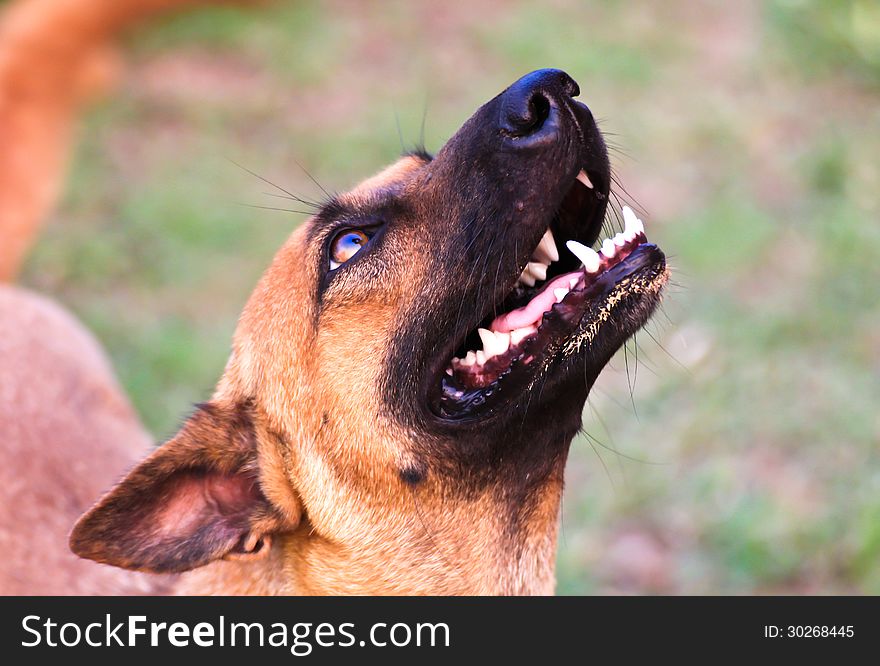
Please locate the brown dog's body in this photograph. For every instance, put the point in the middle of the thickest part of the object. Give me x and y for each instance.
(354, 444)
(66, 433)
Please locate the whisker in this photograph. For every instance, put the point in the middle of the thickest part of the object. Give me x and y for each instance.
(422, 126)
(601, 460)
(399, 131)
(330, 195)
(284, 210)
(311, 204)
(622, 455)
(266, 180)
(629, 382)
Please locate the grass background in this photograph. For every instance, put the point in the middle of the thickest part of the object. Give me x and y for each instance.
(734, 448)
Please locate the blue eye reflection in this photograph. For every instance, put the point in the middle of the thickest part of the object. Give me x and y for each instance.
(345, 246)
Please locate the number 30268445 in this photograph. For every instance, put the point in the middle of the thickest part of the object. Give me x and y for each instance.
(809, 631)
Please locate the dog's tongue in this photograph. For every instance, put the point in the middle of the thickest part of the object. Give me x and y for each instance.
(530, 314)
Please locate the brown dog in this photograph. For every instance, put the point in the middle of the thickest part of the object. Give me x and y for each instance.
(406, 378)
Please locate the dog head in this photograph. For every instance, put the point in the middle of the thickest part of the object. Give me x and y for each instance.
(408, 375)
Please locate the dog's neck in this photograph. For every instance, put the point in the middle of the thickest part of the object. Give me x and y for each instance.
(477, 547)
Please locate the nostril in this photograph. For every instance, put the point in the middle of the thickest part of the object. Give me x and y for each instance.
(522, 120)
(539, 105)
(528, 108)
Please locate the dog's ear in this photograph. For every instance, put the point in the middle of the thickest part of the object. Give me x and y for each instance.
(197, 498)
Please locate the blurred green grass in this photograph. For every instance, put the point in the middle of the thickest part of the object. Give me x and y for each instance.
(733, 447)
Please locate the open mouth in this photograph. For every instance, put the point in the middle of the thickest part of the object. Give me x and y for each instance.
(554, 307)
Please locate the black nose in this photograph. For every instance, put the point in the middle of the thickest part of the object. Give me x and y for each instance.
(527, 107)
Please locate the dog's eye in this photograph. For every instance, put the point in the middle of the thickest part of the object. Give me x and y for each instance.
(345, 245)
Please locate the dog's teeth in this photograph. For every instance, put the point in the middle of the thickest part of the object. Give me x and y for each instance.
(481, 357)
(546, 250)
(527, 278)
(560, 293)
(632, 224)
(517, 335)
(587, 255)
(629, 218)
(493, 343)
(620, 240)
(470, 359)
(608, 248)
(502, 342)
(449, 371)
(488, 338)
(572, 281)
(537, 269)
(585, 179)
(549, 243)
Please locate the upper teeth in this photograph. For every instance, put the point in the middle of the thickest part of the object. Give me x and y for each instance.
(537, 269)
(544, 255)
(585, 179)
(546, 249)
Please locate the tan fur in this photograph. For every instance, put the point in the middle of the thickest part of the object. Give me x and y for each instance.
(54, 56)
(328, 459)
(66, 432)
(344, 471)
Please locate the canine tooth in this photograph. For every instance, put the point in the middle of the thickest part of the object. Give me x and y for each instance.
(546, 249)
(608, 248)
(517, 335)
(527, 278)
(560, 293)
(538, 269)
(588, 256)
(585, 179)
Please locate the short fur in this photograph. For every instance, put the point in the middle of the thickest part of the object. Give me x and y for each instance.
(66, 433)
